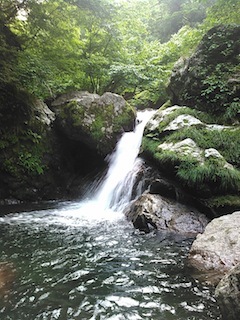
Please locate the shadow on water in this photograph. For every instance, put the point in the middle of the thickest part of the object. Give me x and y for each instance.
(27, 207)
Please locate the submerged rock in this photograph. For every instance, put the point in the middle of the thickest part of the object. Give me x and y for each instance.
(228, 294)
(216, 251)
(152, 210)
(7, 279)
(95, 120)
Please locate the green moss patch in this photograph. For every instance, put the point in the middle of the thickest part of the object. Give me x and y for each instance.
(217, 203)
(226, 141)
(210, 175)
(216, 173)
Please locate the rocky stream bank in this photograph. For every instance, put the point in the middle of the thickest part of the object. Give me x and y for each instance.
(192, 142)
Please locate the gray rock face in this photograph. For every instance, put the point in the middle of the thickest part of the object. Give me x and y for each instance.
(209, 80)
(228, 294)
(165, 215)
(217, 250)
(43, 113)
(95, 120)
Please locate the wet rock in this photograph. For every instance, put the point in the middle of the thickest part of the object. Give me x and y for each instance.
(216, 251)
(164, 188)
(153, 211)
(228, 294)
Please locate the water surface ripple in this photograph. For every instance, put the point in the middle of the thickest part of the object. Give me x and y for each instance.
(71, 265)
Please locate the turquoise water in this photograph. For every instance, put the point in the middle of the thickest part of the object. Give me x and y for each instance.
(69, 261)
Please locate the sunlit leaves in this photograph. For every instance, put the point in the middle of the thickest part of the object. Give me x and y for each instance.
(224, 12)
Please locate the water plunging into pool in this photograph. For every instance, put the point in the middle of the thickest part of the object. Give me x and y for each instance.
(116, 189)
(83, 260)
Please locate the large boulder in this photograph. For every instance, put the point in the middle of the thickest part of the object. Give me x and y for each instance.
(210, 80)
(97, 121)
(48, 155)
(216, 251)
(194, 138)
(169, 216)
(228, 294)
(200, 157)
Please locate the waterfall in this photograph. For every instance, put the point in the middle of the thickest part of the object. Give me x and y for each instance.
(115, 191)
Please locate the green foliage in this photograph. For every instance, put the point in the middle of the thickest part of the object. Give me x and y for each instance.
(67, 45)
(96, 46)
(95, 51)
(218, 92)
(74, 111)
(31, 163)
(207, 176)
(214, 73)
(9, 48)
(222, 12)
(96, 129)
(149, 145)
(199, 177)
(53, 46)
(22, 152)
(102, 46)
(172, 15)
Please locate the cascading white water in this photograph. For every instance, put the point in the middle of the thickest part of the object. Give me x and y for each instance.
(115, 191)
(113, 194)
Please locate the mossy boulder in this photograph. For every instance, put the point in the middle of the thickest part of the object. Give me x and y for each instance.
(97, 121)
(203, 158)
(210, 79)
(198, 145)
(44, 155)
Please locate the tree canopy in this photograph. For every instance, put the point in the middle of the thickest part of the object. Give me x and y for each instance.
(128, 47)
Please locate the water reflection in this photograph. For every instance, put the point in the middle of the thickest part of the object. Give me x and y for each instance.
(7, 278)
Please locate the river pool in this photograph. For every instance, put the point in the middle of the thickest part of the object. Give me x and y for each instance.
(69, 261)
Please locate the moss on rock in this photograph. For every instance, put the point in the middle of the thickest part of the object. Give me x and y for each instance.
(98, 121)
(194, 153)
